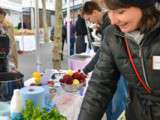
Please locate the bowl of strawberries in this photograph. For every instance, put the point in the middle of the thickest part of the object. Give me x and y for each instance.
(73, 81)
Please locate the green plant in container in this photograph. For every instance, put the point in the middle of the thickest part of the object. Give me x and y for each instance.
(34, 113)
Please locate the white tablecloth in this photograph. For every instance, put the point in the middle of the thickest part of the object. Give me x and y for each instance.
(67, 103)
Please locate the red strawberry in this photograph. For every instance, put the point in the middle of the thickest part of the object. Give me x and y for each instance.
(67, 79)
(66, 76)
(76, 75)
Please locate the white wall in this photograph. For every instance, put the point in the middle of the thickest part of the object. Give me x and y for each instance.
(7, 4)
(14, 17)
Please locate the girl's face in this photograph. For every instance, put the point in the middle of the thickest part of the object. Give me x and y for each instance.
(127, 19)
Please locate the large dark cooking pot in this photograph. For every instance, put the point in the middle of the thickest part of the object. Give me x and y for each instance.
(8, 82)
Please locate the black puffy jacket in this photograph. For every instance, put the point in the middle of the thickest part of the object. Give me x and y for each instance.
(81, 28)
(114, 61)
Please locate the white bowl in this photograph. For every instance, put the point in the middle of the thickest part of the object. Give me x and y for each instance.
(72, 88)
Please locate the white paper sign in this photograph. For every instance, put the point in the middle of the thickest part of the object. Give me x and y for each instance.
(156, 62)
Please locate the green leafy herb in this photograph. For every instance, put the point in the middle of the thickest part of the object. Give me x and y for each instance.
(34, 113)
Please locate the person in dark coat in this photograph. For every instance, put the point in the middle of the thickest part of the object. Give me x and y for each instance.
(20, 25)
(72, 37)
(130, 48)
(93, 13)
(81, 32)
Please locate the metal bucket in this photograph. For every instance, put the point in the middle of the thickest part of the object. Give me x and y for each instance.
(9, 82)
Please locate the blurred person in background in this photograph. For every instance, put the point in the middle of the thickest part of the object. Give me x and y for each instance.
(7, 28)
(64, 37)
(91, 12)
(81, 32)
(72, 37)
(20, 25)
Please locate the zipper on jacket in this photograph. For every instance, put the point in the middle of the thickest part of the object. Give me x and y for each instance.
(142, 65)
(141, 60)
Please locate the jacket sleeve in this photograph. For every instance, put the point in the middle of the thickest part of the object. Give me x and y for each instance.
(102, 85)
(91, 65)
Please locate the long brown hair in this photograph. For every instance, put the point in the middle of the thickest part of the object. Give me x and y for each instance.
(149, 18)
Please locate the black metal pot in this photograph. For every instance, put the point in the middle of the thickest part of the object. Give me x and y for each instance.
(8, 82)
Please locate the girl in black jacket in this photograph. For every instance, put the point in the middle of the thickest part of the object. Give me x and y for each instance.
(131, 47)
